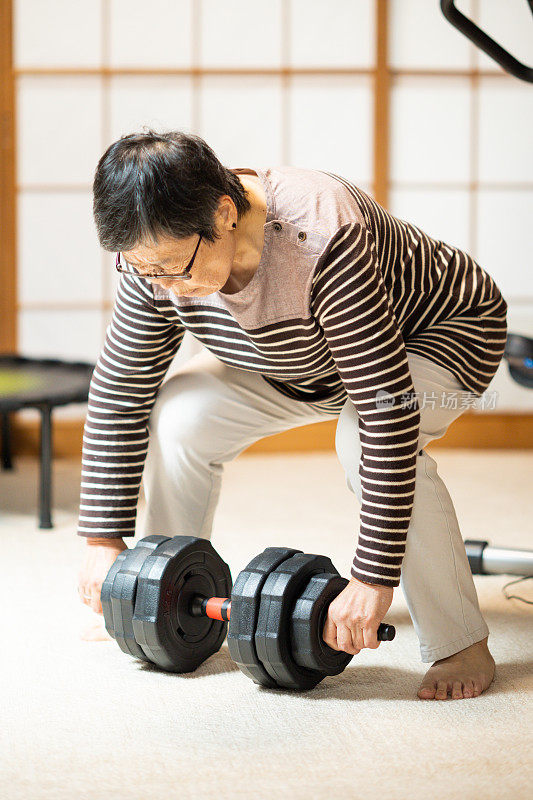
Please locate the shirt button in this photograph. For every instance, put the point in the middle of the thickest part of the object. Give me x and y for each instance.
(277, 226)
(302, 236)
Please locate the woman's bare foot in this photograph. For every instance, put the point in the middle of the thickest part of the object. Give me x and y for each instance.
(465, 674)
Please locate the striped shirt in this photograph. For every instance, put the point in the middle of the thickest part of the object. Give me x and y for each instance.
(342, 292)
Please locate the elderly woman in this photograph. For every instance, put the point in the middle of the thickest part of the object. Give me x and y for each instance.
(313, 302)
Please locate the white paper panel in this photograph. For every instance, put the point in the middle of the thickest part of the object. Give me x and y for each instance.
(241, 34)
(332, 34)
(430, 129)
(506, 129)
(57, 33)
(330, 125)
(504, 240)
(510, 24)
(66, 334)
(153, 34)
(240, 118)
(163, 103)
(422, 38)
(511, 395)
(441, 213)
(59, 129)
(58, 253)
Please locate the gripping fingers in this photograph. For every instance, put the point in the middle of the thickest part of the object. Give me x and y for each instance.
(90, 596)
(358, 638)
(338, 637)
(329, 633)
(346, 640)
(94, 602)
(370, 637)
(84, 595)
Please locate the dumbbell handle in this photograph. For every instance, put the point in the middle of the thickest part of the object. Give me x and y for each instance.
(213, 607)
(220, 608)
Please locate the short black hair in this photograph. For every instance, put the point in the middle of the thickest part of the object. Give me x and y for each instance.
(150, 184)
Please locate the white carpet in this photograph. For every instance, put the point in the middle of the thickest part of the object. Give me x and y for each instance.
(83, 720)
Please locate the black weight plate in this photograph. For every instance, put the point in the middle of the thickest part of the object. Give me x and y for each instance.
(105, 593)
(273, 632)
(180, 569)
(307, 625)
(124, 592)
(245, 599)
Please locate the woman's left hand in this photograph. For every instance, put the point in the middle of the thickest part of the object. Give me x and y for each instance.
(355, 615)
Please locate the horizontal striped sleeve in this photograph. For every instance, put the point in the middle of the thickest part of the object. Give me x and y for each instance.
(350, 303)
(138, 348)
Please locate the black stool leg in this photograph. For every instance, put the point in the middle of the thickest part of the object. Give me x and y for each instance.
(6, 442)
(45, 491)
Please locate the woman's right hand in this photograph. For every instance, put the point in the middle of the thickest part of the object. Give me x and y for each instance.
(99, 555)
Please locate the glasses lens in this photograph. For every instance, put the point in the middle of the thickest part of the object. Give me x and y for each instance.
(128, 268)
(131, 270)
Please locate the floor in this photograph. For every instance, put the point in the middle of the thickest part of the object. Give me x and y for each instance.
(81, 719)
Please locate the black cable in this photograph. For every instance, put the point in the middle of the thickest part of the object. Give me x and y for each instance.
(515, 596)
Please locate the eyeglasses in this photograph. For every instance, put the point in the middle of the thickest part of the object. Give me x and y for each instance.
(184, 276)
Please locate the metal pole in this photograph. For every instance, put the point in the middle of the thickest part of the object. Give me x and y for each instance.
(6, 442)
(487, 560)
(45, 490)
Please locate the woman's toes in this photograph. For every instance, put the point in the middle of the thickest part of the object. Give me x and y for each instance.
(427, 692)
(477, 688)
(457, 690)
(442, 690)
(468, 691)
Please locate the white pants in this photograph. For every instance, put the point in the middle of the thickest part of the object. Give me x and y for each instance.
(208, 413)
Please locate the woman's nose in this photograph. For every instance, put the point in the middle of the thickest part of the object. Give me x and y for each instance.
(166, 284)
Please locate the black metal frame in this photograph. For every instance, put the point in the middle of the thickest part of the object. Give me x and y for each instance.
(485, 42)
(183, 276)
(44, 404)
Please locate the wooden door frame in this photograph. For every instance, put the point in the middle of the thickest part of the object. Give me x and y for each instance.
(8, 198)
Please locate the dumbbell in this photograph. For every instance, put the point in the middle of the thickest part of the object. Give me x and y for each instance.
(171, 602)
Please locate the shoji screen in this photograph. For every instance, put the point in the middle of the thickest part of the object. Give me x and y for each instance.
(461, 157)
(265, 83)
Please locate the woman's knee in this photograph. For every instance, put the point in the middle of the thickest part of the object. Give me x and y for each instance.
(182, 408)
(440, 397)
(347, 443)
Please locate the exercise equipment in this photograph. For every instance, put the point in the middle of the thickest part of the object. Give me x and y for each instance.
(177, 572)
(485, 42)
(124, 591)
(276, 636)
(171, 602)
(518, 353)
(42, 384)
(245, 600)
(487, 560)
(483, 558)
(146, 597)
(519, 356)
